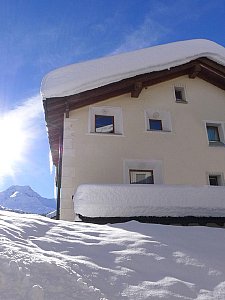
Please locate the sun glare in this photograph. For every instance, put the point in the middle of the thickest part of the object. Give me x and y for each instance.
(13, 143)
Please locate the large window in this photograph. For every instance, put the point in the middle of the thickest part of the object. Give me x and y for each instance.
(141, 176)
(105, 120)
(104, 124)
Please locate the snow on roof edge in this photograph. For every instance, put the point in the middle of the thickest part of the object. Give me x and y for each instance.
(80, 77)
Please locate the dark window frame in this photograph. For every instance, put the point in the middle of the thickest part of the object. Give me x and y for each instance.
(113, 123)
(143, 171)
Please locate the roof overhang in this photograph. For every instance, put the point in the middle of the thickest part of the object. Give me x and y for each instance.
(58, 107)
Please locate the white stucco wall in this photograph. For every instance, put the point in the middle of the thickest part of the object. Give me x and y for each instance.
(179, 156)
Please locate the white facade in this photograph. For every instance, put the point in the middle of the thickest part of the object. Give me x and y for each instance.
(179, 153)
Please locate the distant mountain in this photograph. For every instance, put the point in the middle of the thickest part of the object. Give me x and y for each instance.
(24, 199)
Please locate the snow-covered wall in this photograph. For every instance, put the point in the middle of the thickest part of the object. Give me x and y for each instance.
(88, 75)
(181, 156)
(149, 200)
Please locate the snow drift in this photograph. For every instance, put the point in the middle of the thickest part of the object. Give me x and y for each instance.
(128, 200)
(43, 259)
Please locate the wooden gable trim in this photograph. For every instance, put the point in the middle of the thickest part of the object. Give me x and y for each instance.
(207, 62)
(59, 107)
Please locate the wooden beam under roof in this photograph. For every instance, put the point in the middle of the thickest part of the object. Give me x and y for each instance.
(138, 86)
(195, 72)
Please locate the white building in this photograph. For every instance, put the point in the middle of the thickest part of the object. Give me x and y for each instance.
(155, 115)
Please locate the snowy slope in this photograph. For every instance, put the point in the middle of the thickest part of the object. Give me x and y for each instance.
(23, 198)
(46, 259)
(88, 75)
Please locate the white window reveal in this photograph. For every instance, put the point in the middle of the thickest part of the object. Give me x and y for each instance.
(156, 120)
(105, 120)
(137, 171)
(215, 133)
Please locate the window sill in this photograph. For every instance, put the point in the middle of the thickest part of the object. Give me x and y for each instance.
(216, 144)
(182, 101)
(163, 131)
(105, 134)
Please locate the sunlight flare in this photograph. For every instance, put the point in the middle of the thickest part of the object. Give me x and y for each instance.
(13, 142)
(17, 128)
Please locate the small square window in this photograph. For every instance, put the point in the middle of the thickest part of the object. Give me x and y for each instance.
(215, 179)
(158, 120)
(155, 124)
(104, 124)
(141, 176)
(213, 133)
(179, 94)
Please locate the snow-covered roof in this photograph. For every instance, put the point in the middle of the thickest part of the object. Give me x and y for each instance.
(80, 77)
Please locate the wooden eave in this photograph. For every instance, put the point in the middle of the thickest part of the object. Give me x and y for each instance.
(56, 108)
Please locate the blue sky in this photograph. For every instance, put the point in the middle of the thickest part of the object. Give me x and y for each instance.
(38, 36)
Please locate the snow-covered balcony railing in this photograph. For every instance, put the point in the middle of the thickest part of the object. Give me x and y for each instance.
(110, 201)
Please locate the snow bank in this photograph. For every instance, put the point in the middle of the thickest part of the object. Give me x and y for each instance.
(88, 75)
(43, 259)
(51, 214)
(149, 200)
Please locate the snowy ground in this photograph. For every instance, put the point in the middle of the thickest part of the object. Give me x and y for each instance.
(46, 259)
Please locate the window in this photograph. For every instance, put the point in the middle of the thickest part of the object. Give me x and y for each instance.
(148, 168)
(213, 133)
(105, 120)
(157, 120)
(141, 176)
(104, 124)
(179, 94)
(215, 179)
(155, 124)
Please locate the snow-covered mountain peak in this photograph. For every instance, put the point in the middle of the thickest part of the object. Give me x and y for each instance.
(20, 190)
(23, 198)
